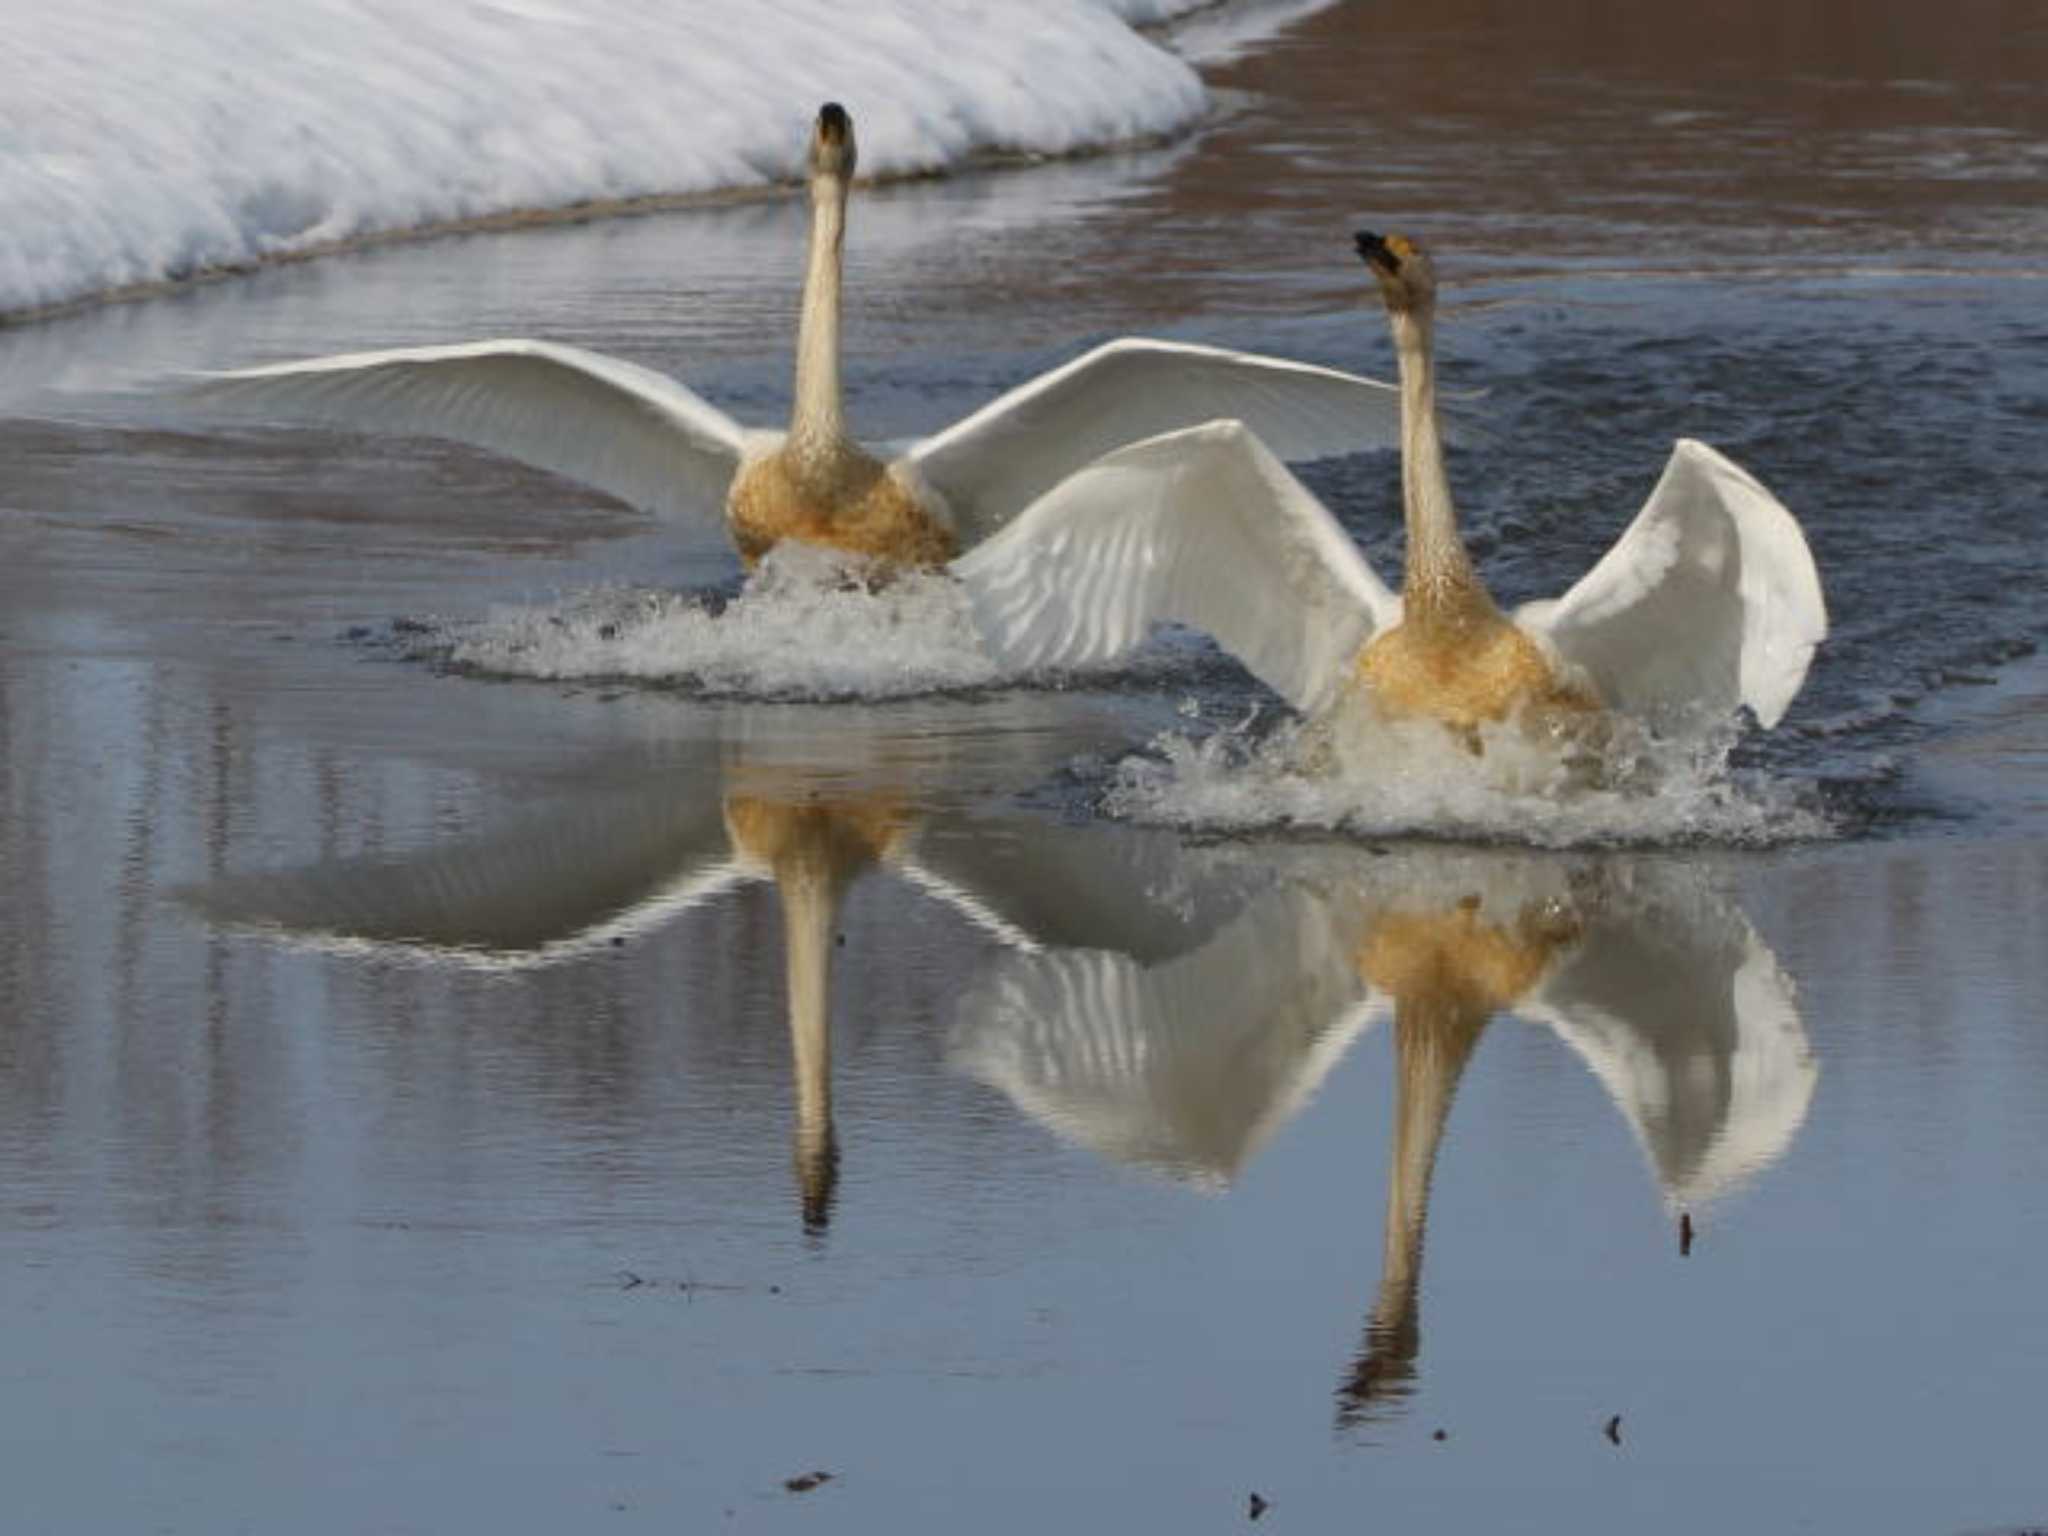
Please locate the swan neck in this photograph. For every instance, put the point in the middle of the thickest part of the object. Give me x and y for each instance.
(1439, 581)
(817, 426)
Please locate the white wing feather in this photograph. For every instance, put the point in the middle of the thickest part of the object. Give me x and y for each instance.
(1709, 600)
(994, 463)
(1204, 527)
(624, 429)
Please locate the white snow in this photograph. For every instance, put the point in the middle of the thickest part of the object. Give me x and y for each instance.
(144, 141)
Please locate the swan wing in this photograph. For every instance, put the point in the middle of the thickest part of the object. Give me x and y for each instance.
(994, 463)
(1203, 526)
(1709, 600)
(615, 425)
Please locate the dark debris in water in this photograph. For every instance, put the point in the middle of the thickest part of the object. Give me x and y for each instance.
(633, 1280)
(806, 1481)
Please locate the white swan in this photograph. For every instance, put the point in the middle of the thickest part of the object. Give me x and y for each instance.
(1708, 601)
(654, 444)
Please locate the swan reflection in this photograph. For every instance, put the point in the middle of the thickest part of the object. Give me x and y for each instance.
(575, 884)
(1655, 981)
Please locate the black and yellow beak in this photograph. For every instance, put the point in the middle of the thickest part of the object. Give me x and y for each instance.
(1377, 254)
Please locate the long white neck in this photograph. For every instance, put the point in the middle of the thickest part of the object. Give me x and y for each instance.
(1440, 580)
(817, 428)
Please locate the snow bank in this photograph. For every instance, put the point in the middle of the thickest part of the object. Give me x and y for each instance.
(139, 143)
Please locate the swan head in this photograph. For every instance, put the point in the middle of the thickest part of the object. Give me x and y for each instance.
(832, 147)
(1407, 279)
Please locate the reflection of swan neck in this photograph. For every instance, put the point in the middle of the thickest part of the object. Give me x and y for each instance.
(1433, 1040)
(816, 850)
(817, 427)
(1434, 1037)
(810, 890)
(1439, 581)
(1449, 973)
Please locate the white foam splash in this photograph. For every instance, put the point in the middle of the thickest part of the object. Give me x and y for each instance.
(805, 626)
(1375, 778)
(810, 624)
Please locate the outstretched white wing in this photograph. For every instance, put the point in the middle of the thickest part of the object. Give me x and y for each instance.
(1710, 599)
(612, 424)
(993, 464)
(1204, 527)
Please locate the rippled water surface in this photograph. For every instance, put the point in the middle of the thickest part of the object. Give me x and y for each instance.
(477, 1049)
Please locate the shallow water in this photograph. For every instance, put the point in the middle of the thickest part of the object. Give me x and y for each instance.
(414, 1109)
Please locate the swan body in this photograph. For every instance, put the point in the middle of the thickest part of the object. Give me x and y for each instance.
(865, 507)
(1708, 602)
(646, 439)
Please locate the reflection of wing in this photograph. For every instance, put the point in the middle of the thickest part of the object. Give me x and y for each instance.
(1685, 1017)
(1187, 1066)
(550, 891)
(1204, 527)
(1033, 883)
(627, 430)
(994, 463)
(1709, 600)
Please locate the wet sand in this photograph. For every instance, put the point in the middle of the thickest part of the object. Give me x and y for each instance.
(420, 1104)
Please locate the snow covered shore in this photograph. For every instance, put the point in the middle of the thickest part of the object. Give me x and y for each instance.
(140, 143)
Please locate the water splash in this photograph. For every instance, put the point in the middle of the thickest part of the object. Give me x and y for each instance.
(807, 625)
(1368, 777)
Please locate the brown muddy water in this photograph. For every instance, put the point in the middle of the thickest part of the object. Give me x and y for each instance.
(445, 1096)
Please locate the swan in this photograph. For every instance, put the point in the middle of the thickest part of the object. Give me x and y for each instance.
(1708, 601)
(644, 438)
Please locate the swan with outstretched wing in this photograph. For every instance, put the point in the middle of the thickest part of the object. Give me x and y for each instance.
(654, 444)
(1708, 602)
